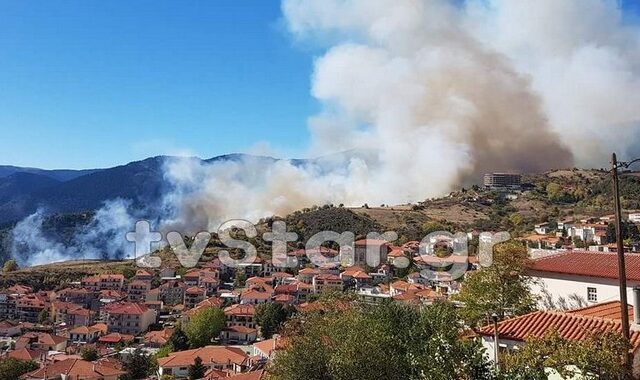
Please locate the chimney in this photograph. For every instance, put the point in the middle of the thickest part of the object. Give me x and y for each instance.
(636, 305)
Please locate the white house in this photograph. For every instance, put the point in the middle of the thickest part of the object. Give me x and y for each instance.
(575, 278)
(542, 228)
(574, 325)
(634, 217)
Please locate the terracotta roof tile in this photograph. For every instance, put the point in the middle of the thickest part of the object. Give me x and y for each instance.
(585, 263)
(571, 326)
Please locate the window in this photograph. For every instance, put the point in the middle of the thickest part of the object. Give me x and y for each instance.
(592, 294)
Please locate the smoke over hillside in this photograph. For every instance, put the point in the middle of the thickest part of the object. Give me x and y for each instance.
(428, 95)
(438, 93)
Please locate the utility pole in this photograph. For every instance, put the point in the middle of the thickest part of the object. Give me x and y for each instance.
(622, 273)
(496, 340)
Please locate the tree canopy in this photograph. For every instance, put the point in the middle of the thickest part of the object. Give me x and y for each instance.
(139, 365)
(598, 357)
(205, 326)
(10, 266)
(502, 288)
(11, 369)
(270, 317)
(388, 341)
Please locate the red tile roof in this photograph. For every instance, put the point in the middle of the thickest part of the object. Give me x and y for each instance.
(584, 263)
(76, 369)
(127, 308)
(571, 326)
(607, 310)
(372, 242)
(238, 309)
(241, 329)
(115, 338)
(208, 354)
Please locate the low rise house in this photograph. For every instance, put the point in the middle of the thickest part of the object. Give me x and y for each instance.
(8, 328)
(356, 276)
(87, 334)
(576, 278)
(230, 359)
(327, 283)
(114, 339)
(41, 341)
(7, 306)
(542, 228)
(240, 315)
(256, 295)
(267, 348)
(572, 325)
(377, 249)
(158, 338)
(306, 275)
(238, 335)
(78, 296)
(75, 369)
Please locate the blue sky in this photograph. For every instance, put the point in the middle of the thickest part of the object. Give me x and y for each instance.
(99, 83)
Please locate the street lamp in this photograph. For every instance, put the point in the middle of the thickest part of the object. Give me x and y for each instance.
(622, 273)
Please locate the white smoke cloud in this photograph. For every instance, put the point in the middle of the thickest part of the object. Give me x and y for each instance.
(102, 238)
(583, 61)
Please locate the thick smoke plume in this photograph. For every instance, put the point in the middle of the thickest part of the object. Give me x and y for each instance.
(422, 96)
(432, 94)
(101, 238)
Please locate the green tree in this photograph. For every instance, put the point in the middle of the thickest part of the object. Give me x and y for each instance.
(205, 326)
(197, 369)
(400, 342)
(43, 316)
(12, 369)
(629, 231)
(270, 317)
(240, 279)
(578, 242)
(554, 191)
(128, 272)
(502, 288)
(89, 353)
(164, 351)
(599, 355)
(139, 365)
(179, 341)
(10, 266)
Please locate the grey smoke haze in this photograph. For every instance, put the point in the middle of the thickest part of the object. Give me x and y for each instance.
(101, 238)
(434, 94)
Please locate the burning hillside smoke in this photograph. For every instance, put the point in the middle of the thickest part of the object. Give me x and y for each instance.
(102, 238)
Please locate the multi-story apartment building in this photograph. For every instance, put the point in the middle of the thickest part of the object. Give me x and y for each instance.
(193, 296)
(172, 292)
(138, 290)
(129, 318)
